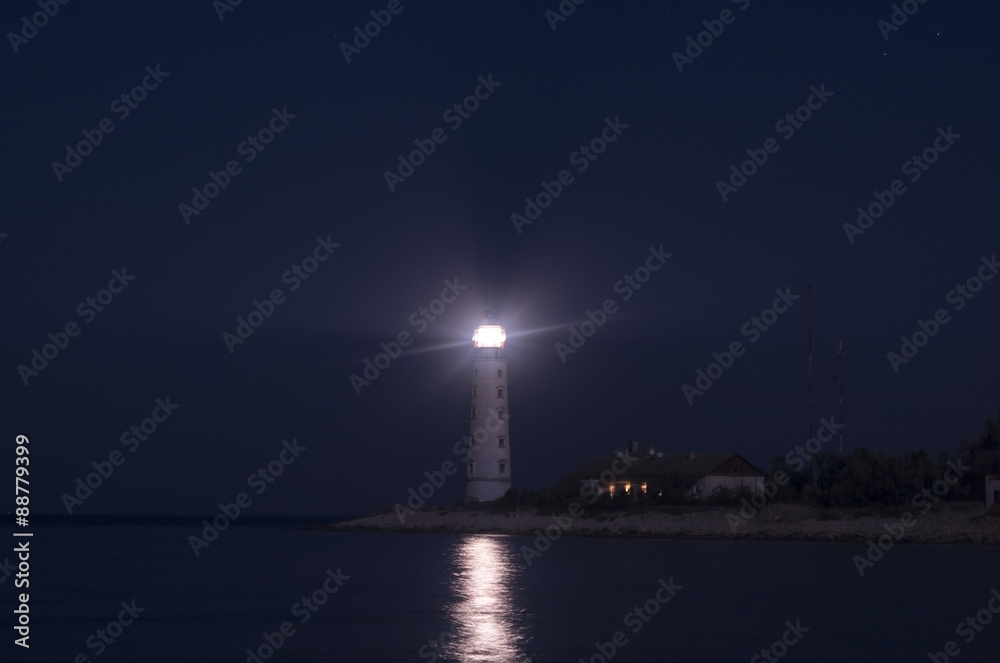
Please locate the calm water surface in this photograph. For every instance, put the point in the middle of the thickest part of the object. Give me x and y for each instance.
(414, 597)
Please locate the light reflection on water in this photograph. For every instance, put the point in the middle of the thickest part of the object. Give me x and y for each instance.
(485, 622)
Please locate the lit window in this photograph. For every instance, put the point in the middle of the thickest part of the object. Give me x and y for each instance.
(642, 487)
(500, 443)
(611, 490)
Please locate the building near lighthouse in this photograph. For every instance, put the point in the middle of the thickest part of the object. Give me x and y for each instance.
(488, 471)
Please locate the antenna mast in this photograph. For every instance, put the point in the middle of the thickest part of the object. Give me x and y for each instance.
(810, 325)
(809, 291)
(840, 354)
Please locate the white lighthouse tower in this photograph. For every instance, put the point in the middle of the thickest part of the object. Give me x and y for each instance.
(488, 471)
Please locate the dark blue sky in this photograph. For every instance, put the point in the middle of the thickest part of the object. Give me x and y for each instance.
(549, 93)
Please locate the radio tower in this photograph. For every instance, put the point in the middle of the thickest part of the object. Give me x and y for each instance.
(840, 352)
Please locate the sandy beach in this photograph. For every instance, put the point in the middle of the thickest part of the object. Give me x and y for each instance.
(961, 523)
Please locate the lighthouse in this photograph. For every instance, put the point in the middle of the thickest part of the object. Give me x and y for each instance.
(488, 471)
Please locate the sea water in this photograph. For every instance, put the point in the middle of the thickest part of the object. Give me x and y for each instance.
(261, 591)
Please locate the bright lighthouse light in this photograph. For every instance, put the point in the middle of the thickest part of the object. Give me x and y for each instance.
(489, 336)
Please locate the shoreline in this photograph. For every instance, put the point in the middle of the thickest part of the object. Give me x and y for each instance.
(961, 523)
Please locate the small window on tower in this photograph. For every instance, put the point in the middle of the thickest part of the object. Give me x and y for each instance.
(473, 392)
(475, 372)
(499, 392)
(499, 372)
(472, 413)
(503, 467)
(501, 442)
(470, 469)
(500, 413)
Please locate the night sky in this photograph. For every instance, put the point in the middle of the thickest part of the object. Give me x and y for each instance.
(253, 154)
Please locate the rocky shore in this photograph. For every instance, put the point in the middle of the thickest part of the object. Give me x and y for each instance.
(963, 523)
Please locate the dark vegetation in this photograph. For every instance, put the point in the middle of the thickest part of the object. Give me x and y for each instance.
(858, 482)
